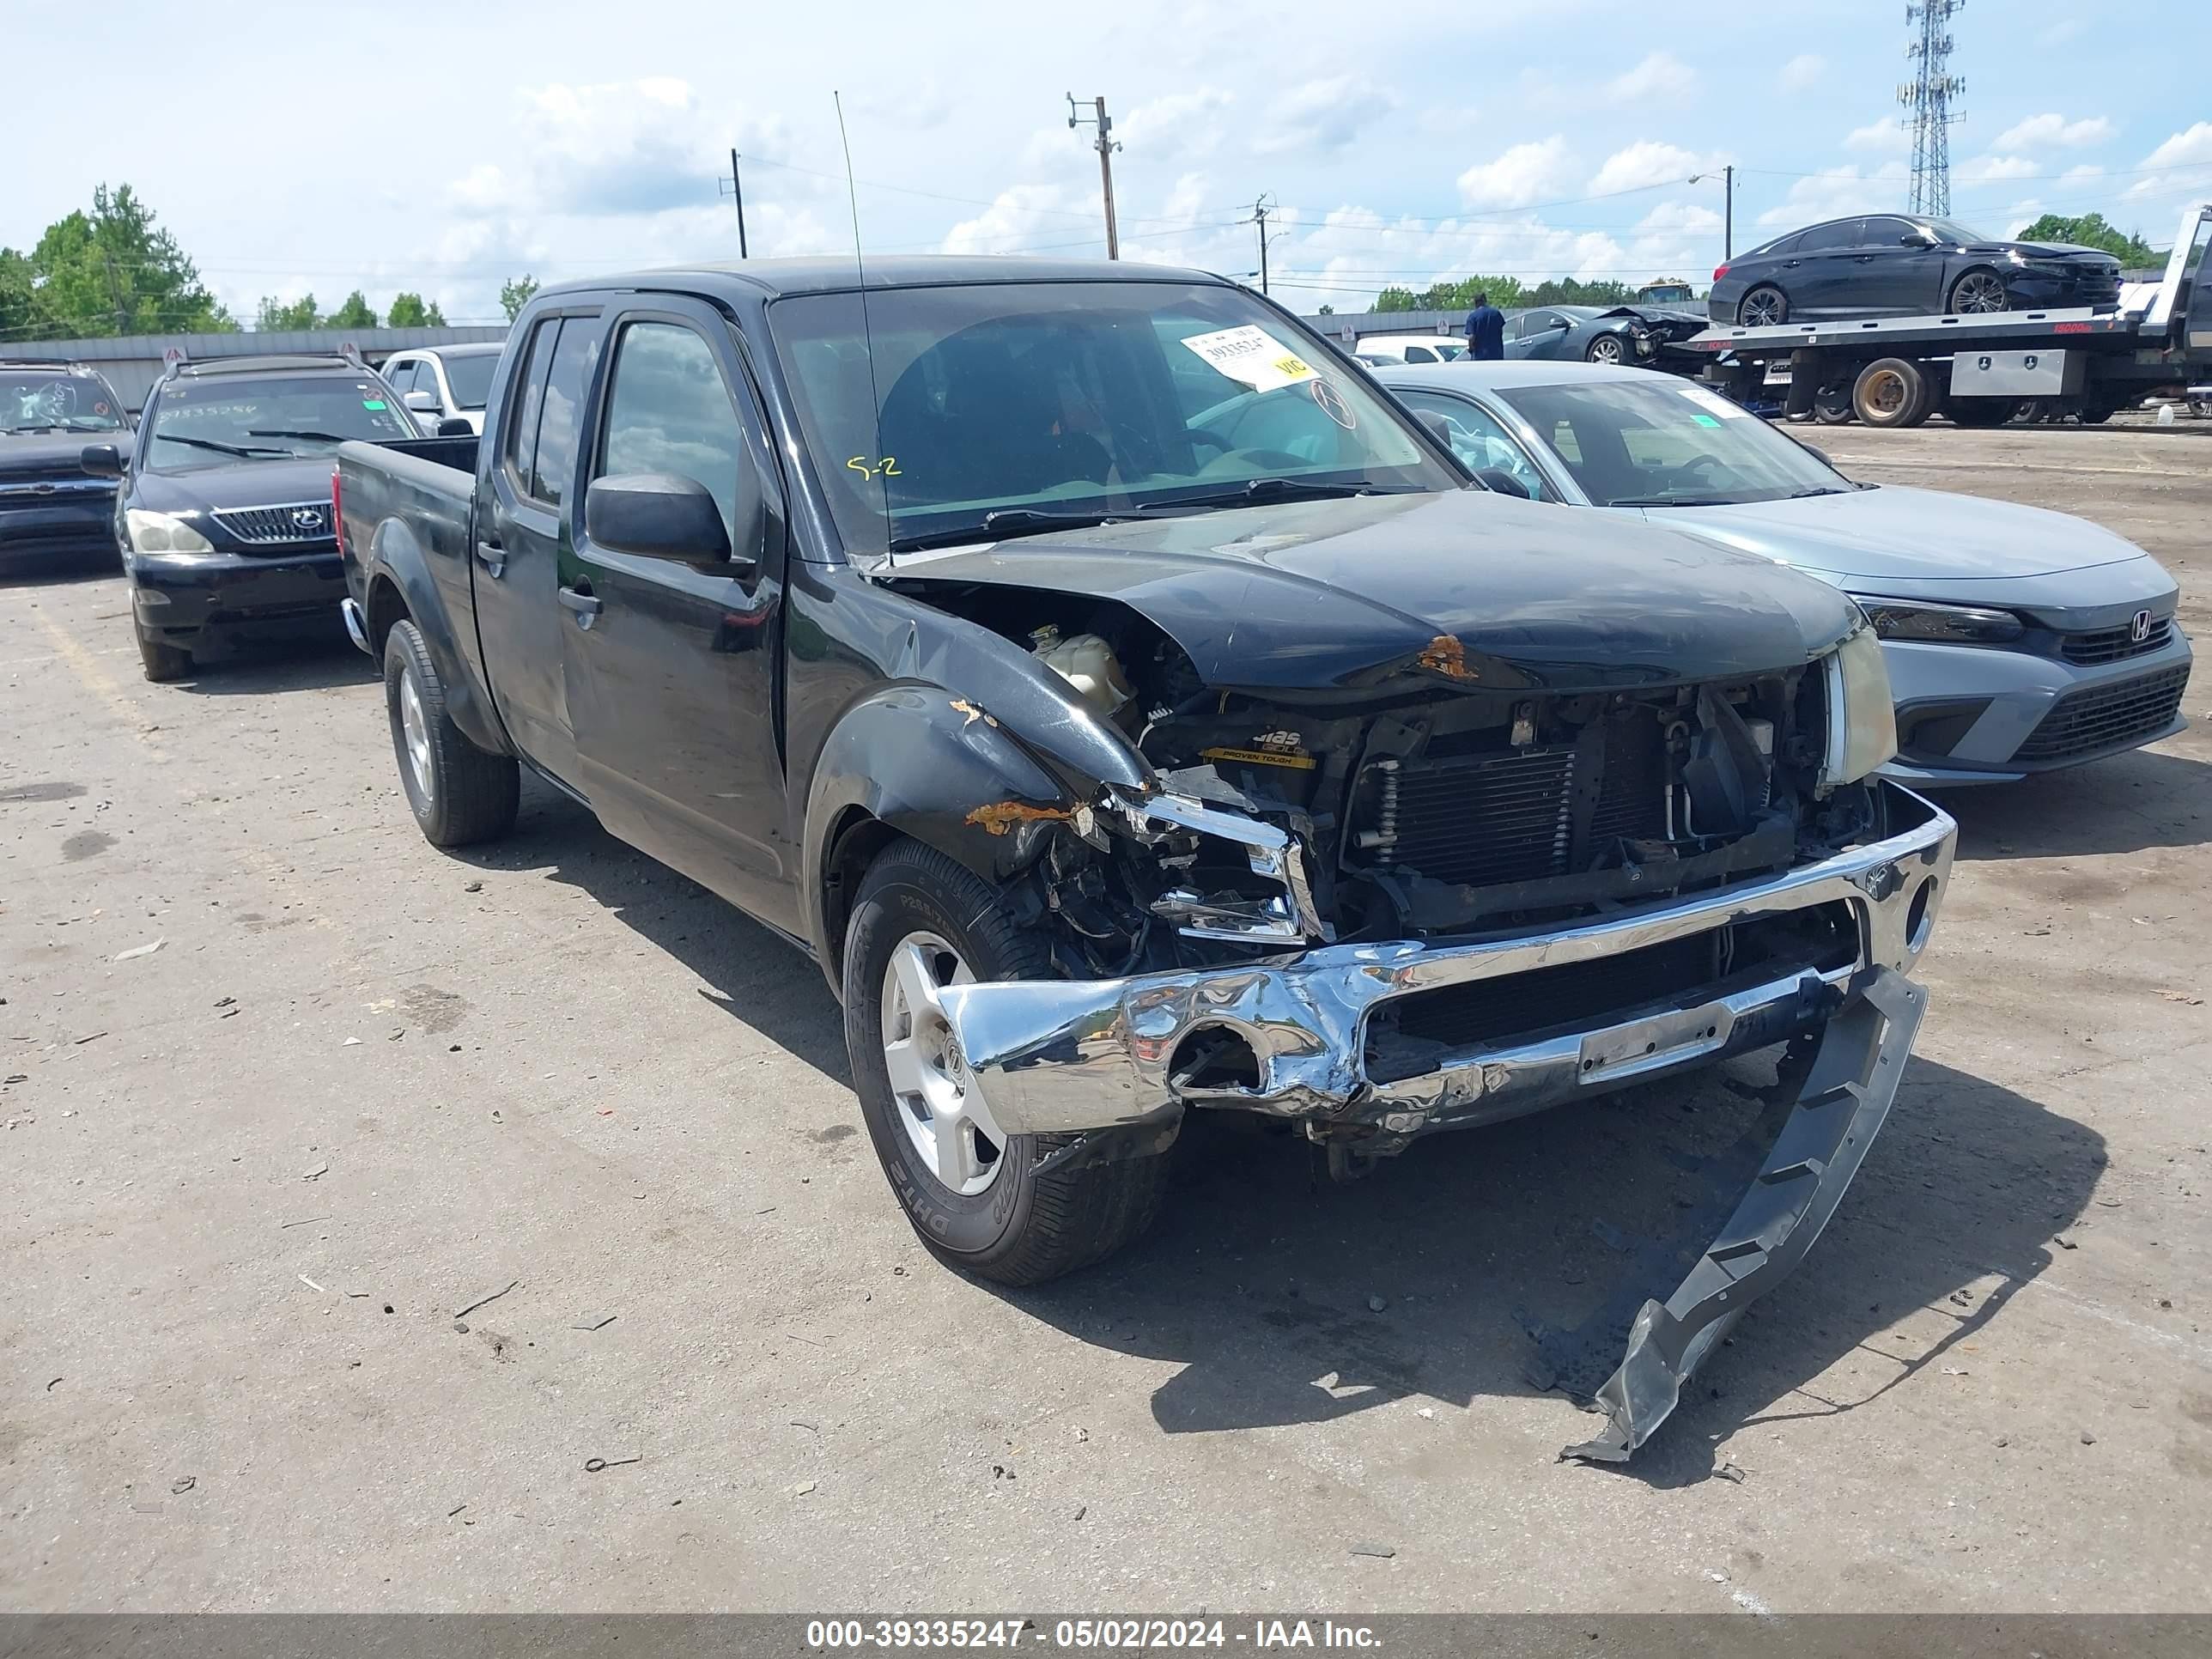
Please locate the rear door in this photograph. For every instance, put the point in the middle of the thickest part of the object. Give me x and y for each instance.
(1826, 280)
(519, 536)
(674, 670)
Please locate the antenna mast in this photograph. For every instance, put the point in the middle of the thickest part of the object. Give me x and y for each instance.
(1929, 96)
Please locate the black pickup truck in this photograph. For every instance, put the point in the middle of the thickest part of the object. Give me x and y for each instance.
(1134, 712)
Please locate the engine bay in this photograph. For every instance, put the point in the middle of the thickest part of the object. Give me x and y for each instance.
(1417, 807)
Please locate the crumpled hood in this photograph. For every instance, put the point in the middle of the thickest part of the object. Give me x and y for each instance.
(243, 483)
(1491, 591)
(49, 454)
(1899, 543)
(2043, 251)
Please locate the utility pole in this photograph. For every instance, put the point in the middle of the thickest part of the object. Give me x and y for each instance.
(1928, 95)
(1260, 210)
(1106, 147)
(1727, 207)
(737, 190)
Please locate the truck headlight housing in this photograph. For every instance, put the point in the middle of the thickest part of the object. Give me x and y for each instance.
(1862, 721)
(163, 533)
(1941, 624)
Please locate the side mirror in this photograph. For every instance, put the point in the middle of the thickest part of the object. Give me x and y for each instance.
(1914, 238)
(100, 460)
(663, 515)
(1560, 322)
(455, 426)
(422, 402)
(1498, 481)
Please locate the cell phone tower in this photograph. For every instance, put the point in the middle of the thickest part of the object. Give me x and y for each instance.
(1928, 95)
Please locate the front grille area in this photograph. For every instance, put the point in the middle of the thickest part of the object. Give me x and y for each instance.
(268, 526)
(2100, 717)
(1408, 1033)
(2114, 644)
(1491, 817)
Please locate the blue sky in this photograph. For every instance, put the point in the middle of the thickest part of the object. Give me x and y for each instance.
(442, 148)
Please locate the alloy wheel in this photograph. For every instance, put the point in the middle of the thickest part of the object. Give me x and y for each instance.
(1977, 292)
(414, 730)
(943, 1113)
(1762, 309)
(1605, 348)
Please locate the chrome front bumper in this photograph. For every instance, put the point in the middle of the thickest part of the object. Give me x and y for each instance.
(1059, 1056)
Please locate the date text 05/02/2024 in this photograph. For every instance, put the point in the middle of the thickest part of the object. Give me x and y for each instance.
(1109, 1635)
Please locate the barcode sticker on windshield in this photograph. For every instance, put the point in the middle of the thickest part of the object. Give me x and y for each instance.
(1253, 355)
(1713, 402)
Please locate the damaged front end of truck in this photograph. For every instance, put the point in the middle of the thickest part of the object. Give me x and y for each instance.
(1380, 897)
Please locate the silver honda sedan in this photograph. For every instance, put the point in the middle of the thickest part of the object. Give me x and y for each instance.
(2017, 639)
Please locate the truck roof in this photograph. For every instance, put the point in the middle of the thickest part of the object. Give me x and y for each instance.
(775, 278)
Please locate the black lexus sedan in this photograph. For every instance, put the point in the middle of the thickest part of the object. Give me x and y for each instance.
(1901, 265)
(50, 513)
(224, 510)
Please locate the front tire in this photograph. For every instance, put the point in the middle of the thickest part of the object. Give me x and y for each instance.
(457, 793)
(1608, 350)
(1976, 293)
(921, 922)
(162, 661)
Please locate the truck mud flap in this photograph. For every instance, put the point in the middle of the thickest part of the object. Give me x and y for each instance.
(1841, 1105)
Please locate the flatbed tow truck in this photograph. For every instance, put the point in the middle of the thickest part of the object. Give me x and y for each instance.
(1979, 369)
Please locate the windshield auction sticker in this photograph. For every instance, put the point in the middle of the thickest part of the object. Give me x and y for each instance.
(1253, 355)
(1715, 403)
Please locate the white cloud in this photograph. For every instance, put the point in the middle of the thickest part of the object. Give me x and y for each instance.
(1524, 174)
(1993, 169)
(1648, 162)
(2041, 130)
(1013, 218)
(1886, 132)
(1803, 70)
(1661, 75)
(1322, 115)
(1831, 195)
(1185, 125)
(2180, 157)
(1693, 218)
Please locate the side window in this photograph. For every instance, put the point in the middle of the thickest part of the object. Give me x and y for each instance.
(566, 387)
(519, 442)
(668, 410)
(1886, 233)
(1845, 233)
(1419, 355)
(401, 378)
(1478, 440)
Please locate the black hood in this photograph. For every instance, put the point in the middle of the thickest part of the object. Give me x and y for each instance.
(1493, 593)
(49, 454)
(241, 484)
(2044, 251)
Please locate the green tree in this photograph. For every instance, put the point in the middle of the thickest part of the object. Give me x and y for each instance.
(1394, 298)
(515, 293)
(111, 271)
(1327, 310)
(277, 316)
(409, 310)
(2090, 230)
(355, 312)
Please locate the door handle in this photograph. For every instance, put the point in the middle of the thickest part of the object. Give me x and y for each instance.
(489, 555)
(580, 600)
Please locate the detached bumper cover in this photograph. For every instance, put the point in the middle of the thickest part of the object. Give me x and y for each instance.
(1061, 1056)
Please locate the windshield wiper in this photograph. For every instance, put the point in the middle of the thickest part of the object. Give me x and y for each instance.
(288, 432)
(247, 450)
(1004, 522)
(1821, 490)
(1669, 500)
(1269, 489)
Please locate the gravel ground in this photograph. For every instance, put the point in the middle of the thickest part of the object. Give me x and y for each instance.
(259, 1173)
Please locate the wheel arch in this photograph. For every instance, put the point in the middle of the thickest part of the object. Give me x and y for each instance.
(401, 587)
(914, 762)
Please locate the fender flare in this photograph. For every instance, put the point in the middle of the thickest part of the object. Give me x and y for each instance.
(397, 557)
(919, 762)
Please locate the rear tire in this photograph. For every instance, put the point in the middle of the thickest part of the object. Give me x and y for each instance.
(162, 661)
(1832, 405)
(459, 793)
(1763, 307)
(1009, 1226)
(1890, 392)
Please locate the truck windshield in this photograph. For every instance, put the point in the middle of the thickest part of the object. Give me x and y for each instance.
(469, 378)
(55, 399)
(214, 422)
(1662, 442)
(1044, 402)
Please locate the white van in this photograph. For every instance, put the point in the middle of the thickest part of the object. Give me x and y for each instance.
(1411, 347)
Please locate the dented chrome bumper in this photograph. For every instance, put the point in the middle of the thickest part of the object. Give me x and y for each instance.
(1059, 1056)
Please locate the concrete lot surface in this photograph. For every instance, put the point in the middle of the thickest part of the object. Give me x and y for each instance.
(254, 1176)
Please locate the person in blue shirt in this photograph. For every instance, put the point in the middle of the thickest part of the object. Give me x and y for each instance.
(1485, 332)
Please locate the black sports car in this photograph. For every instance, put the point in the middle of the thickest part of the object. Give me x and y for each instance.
(1899, 265)
(1633, 336)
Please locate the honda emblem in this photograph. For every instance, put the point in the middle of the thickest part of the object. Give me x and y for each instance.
(2139, 627)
